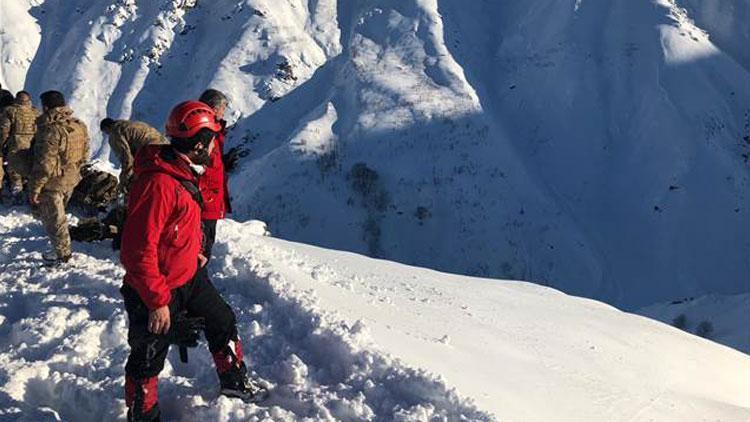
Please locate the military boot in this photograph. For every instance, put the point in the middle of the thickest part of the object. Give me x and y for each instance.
(51, 259)
(16, 192)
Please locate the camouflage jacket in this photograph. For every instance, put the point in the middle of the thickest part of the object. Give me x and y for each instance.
(18, 125)
(60, 148)
(126, 138)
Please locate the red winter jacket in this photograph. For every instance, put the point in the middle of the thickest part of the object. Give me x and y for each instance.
(162, 235)
(213, 185)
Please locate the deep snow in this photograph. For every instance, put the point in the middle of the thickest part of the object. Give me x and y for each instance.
(596, 146)
(64, 343)
(344, 337)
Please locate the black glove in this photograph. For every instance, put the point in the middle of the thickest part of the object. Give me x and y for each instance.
(231, 157)
(185, 331)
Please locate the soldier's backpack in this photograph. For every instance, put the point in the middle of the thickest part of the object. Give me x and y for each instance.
(94, 229)
(74, 144)
(91, 230)
(96, 190)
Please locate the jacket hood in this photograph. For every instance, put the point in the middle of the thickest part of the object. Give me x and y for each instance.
(57, 114)
(162, 159)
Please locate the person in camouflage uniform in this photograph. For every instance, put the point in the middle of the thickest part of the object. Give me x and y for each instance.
(126, 137)
(17, 128)
(6, 99)
(60, 148)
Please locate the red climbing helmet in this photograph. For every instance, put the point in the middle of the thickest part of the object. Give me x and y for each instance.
(189, 117)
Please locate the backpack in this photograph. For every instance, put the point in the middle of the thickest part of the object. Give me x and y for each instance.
(74, 146)
(97, 189)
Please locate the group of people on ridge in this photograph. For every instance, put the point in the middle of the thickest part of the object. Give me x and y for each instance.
(176, 190)
(45, 152)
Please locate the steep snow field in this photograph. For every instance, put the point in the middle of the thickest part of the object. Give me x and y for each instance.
(344, 337)
(599, 147)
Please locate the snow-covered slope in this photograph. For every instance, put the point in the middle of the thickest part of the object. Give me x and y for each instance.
(344, 337)
(724, 319)
(595, 146)
(63, 346)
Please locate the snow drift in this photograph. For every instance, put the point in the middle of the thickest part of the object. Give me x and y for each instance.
(344, 337)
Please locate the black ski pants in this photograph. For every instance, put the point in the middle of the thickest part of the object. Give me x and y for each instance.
(199, 298)
(209, 237)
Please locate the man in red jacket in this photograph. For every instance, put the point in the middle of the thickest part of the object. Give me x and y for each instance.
(161, 250)
(213, 183)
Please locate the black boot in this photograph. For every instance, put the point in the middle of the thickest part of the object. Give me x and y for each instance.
(51, 259)
(235, 383)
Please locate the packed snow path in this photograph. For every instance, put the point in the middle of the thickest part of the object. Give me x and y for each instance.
(340, 336)
(64, 347)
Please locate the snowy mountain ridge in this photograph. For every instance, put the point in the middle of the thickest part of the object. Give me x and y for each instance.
(551, 141)
(599, 147)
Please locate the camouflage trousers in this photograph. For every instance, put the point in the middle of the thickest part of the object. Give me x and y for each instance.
(19, 166)
(3, 168)
(51, 211)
